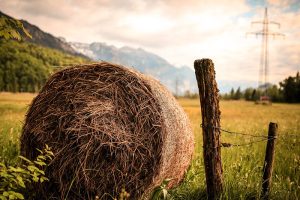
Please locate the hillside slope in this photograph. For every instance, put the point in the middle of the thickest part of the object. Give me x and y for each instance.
(47, 40)
(43, 38)
(24, 67)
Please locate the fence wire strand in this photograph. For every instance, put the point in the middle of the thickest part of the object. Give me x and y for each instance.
(236, 133)
(228, 145)
(265, 138)
(246, 144)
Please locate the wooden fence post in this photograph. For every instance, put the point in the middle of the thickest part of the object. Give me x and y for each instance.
(269, 160)
(209, 100)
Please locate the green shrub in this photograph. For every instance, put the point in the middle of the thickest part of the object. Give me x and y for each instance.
(15, 181)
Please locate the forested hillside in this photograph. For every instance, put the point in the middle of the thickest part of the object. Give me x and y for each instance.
(24, 67)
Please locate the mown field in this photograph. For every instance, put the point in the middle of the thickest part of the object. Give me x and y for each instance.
(242, 165)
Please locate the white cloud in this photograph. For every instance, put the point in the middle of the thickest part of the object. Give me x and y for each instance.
(180, 31)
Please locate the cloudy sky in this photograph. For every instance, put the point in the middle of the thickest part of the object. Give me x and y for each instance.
(178, 30)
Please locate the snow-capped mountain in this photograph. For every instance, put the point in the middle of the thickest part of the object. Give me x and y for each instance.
(143, 61)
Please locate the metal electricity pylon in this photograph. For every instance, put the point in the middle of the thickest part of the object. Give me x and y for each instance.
(264, 59)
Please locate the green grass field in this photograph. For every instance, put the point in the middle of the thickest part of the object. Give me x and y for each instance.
(242, 165)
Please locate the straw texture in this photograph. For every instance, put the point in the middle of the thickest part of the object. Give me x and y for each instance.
(110, 128)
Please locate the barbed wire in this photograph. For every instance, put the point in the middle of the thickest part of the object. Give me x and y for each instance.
(265, 138)
(250, 135)
(228, 145)
(238, 133)
(245, 144)
(235, 133)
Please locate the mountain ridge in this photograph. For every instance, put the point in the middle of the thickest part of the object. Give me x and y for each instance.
(142, 60)
(43, 38)
(154, 65)
(180, 79)
(46, 39)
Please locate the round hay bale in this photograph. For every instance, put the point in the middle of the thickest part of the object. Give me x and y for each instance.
(110, 128)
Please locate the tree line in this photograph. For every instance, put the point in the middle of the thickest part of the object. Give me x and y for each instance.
(288, 91)
(25, 67)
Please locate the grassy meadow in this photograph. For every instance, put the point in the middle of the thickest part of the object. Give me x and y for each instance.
(242, 165)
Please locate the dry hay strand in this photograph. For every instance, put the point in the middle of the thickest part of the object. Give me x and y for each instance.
(110, 128)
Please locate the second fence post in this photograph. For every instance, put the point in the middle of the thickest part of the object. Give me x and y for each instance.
(269, 160)
(209, 100)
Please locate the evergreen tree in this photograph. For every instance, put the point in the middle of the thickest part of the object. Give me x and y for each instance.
(25, 67)
(274, 93)
(248, 94)
(238, 94)
(290, 89)
(231, 95)
(298, 87)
